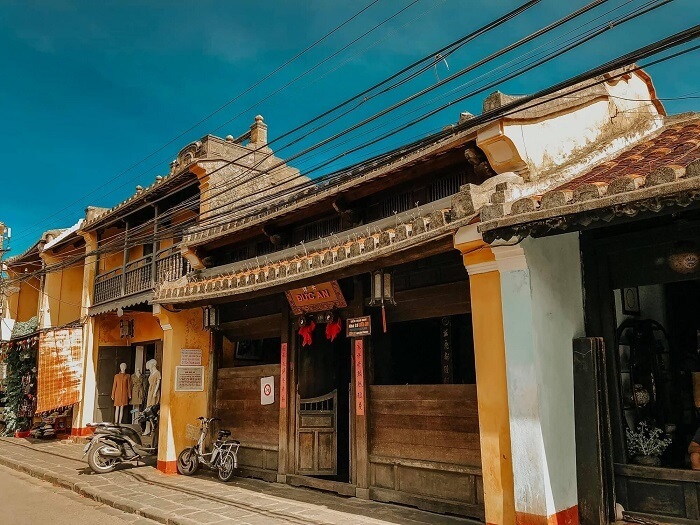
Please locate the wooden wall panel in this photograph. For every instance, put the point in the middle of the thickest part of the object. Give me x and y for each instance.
(425, 422)
(238, 404)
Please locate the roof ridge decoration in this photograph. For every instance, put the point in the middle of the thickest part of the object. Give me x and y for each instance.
(421, 228)
(661, 171)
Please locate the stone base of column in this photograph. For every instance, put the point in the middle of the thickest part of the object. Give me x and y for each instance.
(167, 467)
(564, 517)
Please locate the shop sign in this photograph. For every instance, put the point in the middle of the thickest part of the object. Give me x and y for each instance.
(283, 376)
(189, 378)
(359, 326)
(190, 357)
(359, 377)
(267, 390)
(316, 298)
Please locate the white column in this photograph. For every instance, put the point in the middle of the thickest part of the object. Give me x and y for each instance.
(542, 299)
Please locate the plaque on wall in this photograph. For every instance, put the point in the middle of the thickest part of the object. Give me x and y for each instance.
(189, 378)
(316, 298)
(190, 357)
(359, 326)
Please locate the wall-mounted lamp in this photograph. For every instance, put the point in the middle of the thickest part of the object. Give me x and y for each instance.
(126, 328)
(382, 291)
(211, 317)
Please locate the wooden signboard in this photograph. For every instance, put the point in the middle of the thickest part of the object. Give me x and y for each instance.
(316, 298)
(359, 326)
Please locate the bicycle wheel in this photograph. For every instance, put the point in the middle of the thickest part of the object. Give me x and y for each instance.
(188, 462)
(226, 467)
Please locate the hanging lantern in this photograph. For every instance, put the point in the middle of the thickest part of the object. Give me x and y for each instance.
(382, 291)
(126, 328)
(684, 258)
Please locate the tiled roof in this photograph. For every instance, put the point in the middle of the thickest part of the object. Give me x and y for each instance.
(668, 163)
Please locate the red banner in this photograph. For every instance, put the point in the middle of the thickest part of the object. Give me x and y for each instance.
(359, 377)
(283, 376)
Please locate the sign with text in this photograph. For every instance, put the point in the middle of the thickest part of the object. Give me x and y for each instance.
(267, 390)
(359, 326)
(316, 298)
(189, 379)
(359, 377)
(190, 357)
(283, 376)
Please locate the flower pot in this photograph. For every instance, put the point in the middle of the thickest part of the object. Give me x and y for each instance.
(648, 461)
(21, 433)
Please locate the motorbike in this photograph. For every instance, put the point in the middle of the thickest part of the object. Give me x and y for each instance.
(115, 443)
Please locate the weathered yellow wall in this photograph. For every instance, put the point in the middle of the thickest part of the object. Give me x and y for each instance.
(61, 303)
(146, 328)
(24, 304)
(180, 408)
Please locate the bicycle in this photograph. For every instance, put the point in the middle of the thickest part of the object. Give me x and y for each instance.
(223, 458)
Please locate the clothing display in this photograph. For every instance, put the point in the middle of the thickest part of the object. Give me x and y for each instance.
(138, 389)
(153, 388)
(121, 389)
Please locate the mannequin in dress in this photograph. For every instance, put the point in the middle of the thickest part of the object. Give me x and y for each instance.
(138, 384)
(121, 392)
(153, 397)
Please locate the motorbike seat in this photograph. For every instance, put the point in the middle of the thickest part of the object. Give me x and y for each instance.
(224, 434)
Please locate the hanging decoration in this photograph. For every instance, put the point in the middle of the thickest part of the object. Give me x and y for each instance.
(333, 328)
(306, 333)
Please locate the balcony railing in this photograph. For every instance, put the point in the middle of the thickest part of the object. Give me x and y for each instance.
(140, 275)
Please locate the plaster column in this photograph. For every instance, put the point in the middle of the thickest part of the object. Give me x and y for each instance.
(177, 409)
(541, 290)
(492, 390)
(83, 413)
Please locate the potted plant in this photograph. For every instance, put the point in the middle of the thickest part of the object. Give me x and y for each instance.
(645, 444)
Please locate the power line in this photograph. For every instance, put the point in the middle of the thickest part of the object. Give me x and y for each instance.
(216, 111)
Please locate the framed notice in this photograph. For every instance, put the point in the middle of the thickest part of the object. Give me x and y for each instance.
(190, 357)
(359, 326)
(189, 379)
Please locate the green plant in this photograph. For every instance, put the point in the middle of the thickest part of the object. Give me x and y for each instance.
(19, 364)
(646, 441)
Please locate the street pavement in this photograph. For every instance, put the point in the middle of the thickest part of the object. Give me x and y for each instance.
(30, 501)
(177, 500)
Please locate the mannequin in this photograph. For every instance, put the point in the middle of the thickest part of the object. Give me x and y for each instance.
(153, 397)
(138, 383)
(121, 392)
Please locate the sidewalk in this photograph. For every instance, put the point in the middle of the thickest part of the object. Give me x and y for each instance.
(179, 500)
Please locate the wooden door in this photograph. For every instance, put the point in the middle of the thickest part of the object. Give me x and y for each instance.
(108, 359)
(317, 435)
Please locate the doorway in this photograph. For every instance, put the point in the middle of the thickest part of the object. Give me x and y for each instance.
(108, 359)
(322, 441)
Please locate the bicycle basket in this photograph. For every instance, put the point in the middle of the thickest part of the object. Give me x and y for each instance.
(192, 432)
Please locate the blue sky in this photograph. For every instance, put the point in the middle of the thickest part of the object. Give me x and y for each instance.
(89, 89)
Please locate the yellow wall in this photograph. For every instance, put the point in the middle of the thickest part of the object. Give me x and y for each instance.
(491, 385)
(61, 303)
(24, 304)
(180, 408)
(107, 331)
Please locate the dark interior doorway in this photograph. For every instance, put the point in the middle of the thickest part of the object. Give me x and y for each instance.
(324, 369)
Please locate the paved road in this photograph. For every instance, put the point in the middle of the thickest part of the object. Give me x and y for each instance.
(25, 500)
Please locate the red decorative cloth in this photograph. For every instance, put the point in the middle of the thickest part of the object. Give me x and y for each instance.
(306, 333)
(333, 329)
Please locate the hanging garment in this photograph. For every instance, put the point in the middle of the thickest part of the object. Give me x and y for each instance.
(121, 389)
(138, 389)
(153, 389)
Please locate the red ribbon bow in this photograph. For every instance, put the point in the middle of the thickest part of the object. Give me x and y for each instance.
(333, 329)
(306, 333)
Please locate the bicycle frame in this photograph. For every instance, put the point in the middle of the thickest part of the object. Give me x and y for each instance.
(219, 451)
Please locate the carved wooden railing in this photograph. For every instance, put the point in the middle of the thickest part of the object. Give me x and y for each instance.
(170, 265)
(108, 286)
(140, 275)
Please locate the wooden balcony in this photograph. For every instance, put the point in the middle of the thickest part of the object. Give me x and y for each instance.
(140, 275)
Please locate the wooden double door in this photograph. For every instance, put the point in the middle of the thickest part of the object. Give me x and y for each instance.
(322, 439)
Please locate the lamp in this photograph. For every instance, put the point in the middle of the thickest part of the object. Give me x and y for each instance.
(210, 317)
(382, 291)
(126, 328)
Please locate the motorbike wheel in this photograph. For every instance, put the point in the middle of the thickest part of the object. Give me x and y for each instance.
(226, 468)
(101, 464)
(187, 462)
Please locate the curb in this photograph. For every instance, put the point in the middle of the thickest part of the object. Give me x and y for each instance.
(85, 490)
